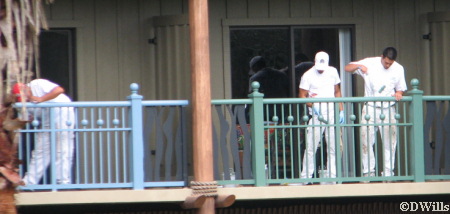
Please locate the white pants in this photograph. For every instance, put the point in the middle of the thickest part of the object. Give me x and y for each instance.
(313, 139)
(388, 135)
(40, 157)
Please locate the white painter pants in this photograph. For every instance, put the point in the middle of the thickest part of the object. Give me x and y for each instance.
(313, 139)
(40, 157)
(388, 135)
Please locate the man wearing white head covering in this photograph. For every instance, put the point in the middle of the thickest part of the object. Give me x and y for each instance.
(321, 81)
(383, 77)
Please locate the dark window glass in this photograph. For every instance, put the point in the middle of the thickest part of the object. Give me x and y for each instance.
(281, 49)
(57, 58)
(270, 43)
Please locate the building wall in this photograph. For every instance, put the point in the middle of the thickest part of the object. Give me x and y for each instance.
(113, 49)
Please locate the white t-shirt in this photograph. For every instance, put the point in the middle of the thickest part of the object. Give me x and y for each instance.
(320, 85)
(381, 82)
(40, 87)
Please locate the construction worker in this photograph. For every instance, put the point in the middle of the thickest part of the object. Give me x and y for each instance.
(38, 91)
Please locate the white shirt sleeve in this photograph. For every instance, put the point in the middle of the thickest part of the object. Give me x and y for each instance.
(401, 84)
(336, 76)
(40, 87)
(304, 82)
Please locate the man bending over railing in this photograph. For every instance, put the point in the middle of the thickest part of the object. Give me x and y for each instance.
(37, 91)
(383, 77)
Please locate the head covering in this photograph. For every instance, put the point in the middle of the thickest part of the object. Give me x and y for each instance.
(321, 61)
(255, 60)
(256, 63)
(16, 91)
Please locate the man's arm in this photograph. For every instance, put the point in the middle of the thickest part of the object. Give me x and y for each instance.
(337, 93)
(304, 94)
(50, 95)
(353, 67)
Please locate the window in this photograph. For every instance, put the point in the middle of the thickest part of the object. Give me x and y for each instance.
(282, 47)
(57, 58)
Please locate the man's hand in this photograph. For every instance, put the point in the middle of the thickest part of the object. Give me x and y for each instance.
(398, 95)
(319, 116)
(35, 99)
(316, 112)
(353, 67)
(341, 117)
(362, 68)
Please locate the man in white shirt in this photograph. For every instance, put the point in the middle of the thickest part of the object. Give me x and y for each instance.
(42, 90)
(321, 81)
(383, 77)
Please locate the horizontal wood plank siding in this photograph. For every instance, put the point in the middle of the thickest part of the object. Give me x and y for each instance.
(343, 8)
(256, 8)
(129, 47)
(113, 49)
(84, 10)
(237, 9)
(300, 8)
(279, 8)
(147, 10)
(405, 25)
(321, 8)
(62, 10)
(107, 51)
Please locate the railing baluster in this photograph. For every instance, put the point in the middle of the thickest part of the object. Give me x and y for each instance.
(137, 146)
(84, 123)
(125, 149)
(257, 131)
(116, 147)
(417, 155)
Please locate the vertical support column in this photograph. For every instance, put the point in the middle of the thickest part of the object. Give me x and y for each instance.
(257, 131)
(416, 111)
(201, 97)
(52, 122)
(337, 141)
(137, 145)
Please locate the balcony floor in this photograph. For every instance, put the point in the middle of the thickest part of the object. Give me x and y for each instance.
(160, 195)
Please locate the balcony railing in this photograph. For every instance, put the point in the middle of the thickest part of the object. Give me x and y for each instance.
(121, 144)
(140, 144)
(262, 141)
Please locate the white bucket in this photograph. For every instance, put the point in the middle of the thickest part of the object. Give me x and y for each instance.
(324, 174)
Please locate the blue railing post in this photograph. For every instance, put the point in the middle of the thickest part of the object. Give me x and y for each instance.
(52, 116)
(416, 111)
(257, 131)
(137, 145)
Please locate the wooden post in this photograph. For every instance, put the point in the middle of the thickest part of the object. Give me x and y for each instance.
(223, 201)
(201, 97)
(193, 202)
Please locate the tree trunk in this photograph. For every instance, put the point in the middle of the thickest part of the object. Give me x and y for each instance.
(7, 201)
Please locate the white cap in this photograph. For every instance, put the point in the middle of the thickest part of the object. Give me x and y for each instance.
(321, 61)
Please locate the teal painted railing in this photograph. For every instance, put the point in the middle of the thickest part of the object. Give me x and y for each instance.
(276, 157)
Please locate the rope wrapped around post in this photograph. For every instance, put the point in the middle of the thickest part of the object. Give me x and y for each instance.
(202, 190)
(208, 189)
